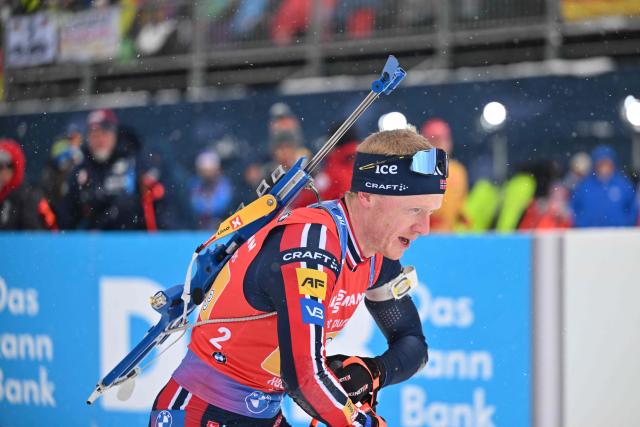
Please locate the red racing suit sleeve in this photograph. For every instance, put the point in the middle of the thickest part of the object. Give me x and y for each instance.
(298, 266)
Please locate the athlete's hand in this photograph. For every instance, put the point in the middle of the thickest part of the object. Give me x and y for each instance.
(358, 376)
(368, 418)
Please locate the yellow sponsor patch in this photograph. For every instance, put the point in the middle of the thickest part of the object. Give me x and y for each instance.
(271, 363)
(312, 282)
(349, 411)
(219, 285)
(253, 211)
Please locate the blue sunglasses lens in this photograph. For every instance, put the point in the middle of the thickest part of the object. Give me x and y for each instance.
(430, 162)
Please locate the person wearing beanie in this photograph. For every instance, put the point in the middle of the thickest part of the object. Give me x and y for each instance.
(114, 187)
(450, 216)
(210, 192)
(605, 198)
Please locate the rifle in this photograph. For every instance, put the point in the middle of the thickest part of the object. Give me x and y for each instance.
(274, 196)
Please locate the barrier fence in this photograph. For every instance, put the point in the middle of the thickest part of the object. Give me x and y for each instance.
(524, 330)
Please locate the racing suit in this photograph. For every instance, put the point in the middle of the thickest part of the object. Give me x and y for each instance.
(297, 268)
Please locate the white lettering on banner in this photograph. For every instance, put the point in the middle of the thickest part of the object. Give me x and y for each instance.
(444, 311)
(18, 301)
(121, 300)
(28, 392)
(26, 347)
(459, 365)
(416, 412)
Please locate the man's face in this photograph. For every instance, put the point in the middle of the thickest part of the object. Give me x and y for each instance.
(393, 222)
(102, 141)
(6, 173)
(285, 155)
(605, 168)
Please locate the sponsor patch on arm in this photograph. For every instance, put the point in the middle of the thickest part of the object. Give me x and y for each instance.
(312, 312)
(312, 282)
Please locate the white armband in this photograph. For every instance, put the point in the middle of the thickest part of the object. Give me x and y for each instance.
(395, 288)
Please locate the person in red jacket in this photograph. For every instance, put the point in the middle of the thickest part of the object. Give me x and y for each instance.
(334, 179)
(21, 207)
(293, 286)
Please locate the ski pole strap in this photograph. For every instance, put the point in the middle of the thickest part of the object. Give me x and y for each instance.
(336, 212)
(333, 207)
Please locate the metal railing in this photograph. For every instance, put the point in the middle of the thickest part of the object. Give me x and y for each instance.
(183, 44)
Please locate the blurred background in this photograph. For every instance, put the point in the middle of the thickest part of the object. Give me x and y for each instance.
(166, 115)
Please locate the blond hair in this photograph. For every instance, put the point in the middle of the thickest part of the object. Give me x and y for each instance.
(394, 142)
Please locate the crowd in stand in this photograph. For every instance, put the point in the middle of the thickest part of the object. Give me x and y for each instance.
(154, 27)
(106, 180)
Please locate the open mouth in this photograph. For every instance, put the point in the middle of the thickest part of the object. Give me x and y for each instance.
(404, 241)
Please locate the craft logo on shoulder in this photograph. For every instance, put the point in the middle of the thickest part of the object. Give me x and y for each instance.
(164, 419)
(257, 402)
(312, 282)
(387, 169)
(312, 312)
(303, 255)
(236, 222)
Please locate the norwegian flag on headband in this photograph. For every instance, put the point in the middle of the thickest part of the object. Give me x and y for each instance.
(443, 184)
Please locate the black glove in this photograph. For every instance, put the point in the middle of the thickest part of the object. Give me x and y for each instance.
(368, 418)
(360, 377)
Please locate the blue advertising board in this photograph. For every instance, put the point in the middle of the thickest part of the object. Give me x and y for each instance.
(71, 305)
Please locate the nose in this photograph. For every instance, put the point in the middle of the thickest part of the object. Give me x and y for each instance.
(423, 224)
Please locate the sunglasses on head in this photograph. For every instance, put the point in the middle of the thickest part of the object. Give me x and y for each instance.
(431, 162)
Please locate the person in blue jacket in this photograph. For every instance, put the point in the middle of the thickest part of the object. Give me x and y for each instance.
(605, 198)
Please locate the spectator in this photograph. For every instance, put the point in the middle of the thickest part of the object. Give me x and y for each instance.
(335, 178)
(210, 191)
(579, 167)
(450, 216)
(111, 189)
(21, 208)
(285, 135)
(291, 20)
(547, 213)
(245, 191)
(605, 198)
(549, 208)
(65, 154)
(287, 145)
(250, 20)
(356, 18)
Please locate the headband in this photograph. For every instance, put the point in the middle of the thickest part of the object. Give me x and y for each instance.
(424, 172)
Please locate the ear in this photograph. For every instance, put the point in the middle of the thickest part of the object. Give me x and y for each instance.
(365, 199)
